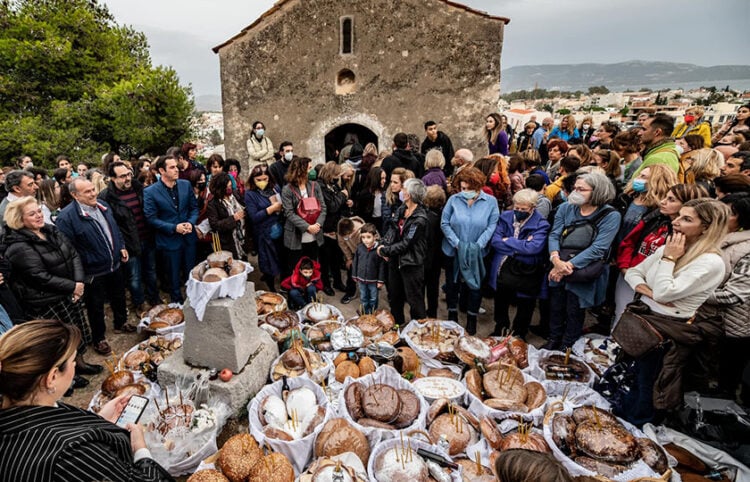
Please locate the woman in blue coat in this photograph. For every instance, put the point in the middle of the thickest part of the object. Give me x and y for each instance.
(263, 206)
(521, 234)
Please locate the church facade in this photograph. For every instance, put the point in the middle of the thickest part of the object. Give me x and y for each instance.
(316, 70)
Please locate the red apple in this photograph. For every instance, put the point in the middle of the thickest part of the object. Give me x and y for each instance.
(225, 375)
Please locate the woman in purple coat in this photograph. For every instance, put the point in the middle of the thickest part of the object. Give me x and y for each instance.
(433, 165)
(521, 236)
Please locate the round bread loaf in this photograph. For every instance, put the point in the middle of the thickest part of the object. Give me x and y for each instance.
(116, 381)
(346, 369)
(353, 400)
(381, 402)
(366, 366)
(135, 358)
(409, 409)
(274, 467)
(209, 475)
(214, 275)
(338, 436)
(172, 316)
(238, 457)
(219, 259)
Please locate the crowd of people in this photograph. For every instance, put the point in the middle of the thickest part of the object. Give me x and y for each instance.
(560, 220)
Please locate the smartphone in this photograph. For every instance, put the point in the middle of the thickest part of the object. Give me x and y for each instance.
(132, 411)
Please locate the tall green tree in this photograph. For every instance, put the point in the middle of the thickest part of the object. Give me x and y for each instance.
(73, 81)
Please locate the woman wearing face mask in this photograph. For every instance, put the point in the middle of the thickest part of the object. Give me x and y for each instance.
(405, 249)
(226, 216)
(740, 121)
(586, 129)
(468, 221)
(694, 124)
(520, 236)
(335, 199)
(650, 233)
(259, 146)
(569, 299)
(301, 238)
(393, 199)
(263, 207)
(674, 282)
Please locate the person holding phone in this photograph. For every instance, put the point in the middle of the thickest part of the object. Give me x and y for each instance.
(43, 439)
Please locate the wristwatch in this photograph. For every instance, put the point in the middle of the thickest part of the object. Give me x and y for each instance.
(669, 258)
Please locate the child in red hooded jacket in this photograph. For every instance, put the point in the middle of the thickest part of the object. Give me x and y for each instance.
(304, 283)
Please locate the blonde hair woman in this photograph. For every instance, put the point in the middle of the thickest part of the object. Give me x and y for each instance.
(567, 130)
(392, 199)
(674, 282)
(703, 166)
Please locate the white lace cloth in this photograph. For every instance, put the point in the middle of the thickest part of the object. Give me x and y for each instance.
(201, 293)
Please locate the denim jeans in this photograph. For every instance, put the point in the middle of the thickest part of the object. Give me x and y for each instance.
(141, 273)
(368, 296)
(566, 316)
(299, 297)
(5, 321)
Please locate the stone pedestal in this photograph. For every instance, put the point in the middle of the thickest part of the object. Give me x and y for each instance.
(227, 335)
(236, 392)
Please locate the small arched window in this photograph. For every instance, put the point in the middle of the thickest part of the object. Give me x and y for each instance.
(347, 35)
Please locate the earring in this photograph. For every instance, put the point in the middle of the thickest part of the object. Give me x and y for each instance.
(51, 390)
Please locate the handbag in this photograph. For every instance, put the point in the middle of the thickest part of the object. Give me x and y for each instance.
(515, 275)
(576, 238)
(634, 333)
(308, 208)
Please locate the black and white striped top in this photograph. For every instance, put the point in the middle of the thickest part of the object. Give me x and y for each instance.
(65, 443)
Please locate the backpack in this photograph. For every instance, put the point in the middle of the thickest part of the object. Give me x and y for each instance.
(308, 208)
(576, 238)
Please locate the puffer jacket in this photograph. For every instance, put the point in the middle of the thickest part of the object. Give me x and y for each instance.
(408, 245)
(43, 271)
(731, 300)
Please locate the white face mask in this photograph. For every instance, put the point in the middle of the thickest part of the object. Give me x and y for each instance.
(288, 156)
(576, 198)
(680, 149)
(586, 126)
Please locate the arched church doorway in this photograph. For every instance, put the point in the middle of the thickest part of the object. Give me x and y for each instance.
(342, 135)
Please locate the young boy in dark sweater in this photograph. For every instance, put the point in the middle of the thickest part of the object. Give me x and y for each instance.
(368, 269)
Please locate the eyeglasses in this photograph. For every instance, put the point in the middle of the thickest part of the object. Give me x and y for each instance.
(125, 176)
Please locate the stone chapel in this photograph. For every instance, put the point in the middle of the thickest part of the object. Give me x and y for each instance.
(314, 70)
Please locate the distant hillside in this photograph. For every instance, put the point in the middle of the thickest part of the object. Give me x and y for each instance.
(624, 75)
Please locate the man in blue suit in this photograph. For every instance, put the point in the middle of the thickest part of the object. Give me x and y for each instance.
(171, 208)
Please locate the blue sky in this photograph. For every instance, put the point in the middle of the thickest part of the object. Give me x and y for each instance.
(181, 33)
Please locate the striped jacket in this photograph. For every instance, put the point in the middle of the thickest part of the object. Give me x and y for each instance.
(65, 443)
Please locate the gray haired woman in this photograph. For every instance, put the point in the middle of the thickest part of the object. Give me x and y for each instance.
(579, 247)
(405, 249)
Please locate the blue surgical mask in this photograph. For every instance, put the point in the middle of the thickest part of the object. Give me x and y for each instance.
(521, 215)
(259, 132)
(639, 185)
(401, 196)
(469, 194)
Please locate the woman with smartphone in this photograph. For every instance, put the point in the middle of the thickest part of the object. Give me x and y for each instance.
(43, 439)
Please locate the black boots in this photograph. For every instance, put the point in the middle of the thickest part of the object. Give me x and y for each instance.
(471, 324)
